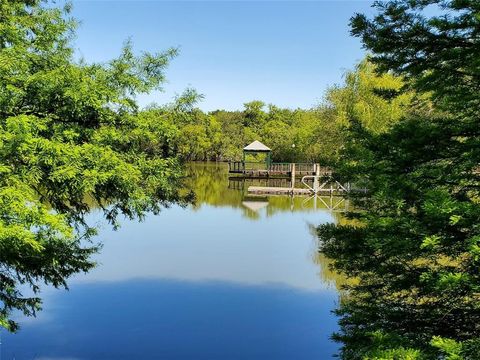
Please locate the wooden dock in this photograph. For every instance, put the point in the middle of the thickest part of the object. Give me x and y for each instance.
(316, 179)
(276, 170)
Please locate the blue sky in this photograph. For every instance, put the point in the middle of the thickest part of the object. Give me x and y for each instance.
(282, 52)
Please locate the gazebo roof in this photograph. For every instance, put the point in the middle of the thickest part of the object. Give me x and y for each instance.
(256, 146)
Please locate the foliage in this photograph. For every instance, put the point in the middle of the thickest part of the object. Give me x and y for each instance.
(71, 139)
(438, 53)
(363, 98)
(312, 135)
(415, 254)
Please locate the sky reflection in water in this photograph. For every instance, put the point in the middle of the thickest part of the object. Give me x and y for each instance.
(212, 282)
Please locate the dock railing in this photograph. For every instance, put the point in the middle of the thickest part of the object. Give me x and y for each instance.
(305, 168)
(244, 166)
(324, 171)
(278, 168)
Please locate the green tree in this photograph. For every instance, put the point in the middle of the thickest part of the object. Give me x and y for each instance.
(318, 134)
(416, 250)
(437, 53)
(232, 133)
(71, 139)
(361, 97)
(279, 137)
(254, 115)
(194, 143)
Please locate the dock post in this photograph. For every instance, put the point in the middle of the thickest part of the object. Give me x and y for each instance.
(316, 169)
(292, 170)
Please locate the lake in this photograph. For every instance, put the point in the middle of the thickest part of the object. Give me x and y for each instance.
(231, 277)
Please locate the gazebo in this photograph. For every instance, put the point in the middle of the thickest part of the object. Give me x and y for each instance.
(257, 147)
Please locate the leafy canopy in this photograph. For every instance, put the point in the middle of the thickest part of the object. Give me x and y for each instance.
(71, 139)
(415, 248)
(318, 133)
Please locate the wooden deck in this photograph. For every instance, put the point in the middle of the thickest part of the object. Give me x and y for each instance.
(285, 170)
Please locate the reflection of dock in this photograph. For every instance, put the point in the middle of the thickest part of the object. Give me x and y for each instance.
(241, 183)
(328, 187)
(332, 203)
(277, 190)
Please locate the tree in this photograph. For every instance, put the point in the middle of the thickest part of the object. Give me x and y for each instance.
(416, 250)
(232, 137)
(254, 115)
(194, 143)
(362, 97)
(437, 53)
(319, 133)
(70, 139)
(279, 136)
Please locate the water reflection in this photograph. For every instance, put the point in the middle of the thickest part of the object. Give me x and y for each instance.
(163, 319)
(214, 244)
(213, 186)
(233, 277)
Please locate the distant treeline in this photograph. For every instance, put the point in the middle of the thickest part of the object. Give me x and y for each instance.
(316, 134)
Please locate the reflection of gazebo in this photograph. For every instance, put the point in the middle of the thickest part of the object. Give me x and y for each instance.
(257, 147)
(255, 205)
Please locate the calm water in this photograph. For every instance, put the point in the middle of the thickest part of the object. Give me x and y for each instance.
(233, 277)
